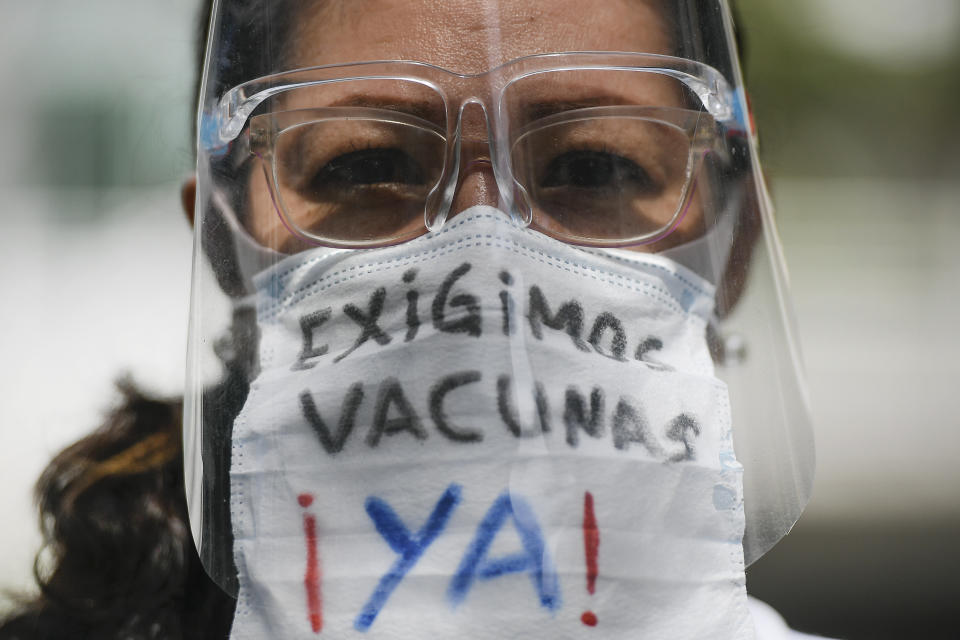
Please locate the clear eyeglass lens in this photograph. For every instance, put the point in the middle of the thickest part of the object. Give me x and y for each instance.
(362, 174)
(603, 178)
(357, 180)
(595, 178)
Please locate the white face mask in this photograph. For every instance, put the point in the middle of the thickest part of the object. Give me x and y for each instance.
(485, 433)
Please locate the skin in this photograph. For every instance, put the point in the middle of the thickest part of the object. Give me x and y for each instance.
(472, 36)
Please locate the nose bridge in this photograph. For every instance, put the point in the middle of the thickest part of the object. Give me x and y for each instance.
(476, 181)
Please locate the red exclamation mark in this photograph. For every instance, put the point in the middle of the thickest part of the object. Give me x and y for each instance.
(591, 543)
(311, 579)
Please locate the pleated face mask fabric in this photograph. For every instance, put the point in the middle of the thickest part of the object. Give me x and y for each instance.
(485, 433)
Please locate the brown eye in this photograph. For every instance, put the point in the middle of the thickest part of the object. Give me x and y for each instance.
(369, 167)
(588, 169)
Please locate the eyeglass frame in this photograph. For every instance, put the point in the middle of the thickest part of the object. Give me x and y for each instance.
(234, 109)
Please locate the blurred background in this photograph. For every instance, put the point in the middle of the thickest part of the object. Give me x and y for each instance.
(854, 101)
(856, 105)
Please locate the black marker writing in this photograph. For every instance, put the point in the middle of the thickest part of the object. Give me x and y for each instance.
(509, 414)
(333, 442)
(308, 325)
(618, 341)
(648, 345)
(507, 304)
(367, 321)
(569, 317)
(456, 311)
(630, 425)
(457, 394)
(575, 414)
(439, 416)
(471, 323)
(391, 395)
(684, 429)
(413, 318)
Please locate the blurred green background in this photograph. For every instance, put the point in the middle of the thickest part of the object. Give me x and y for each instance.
(856, 104)
(855, 87)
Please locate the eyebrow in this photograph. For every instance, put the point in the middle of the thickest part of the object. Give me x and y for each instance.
(542, 109)
(536, 109)
(419, 108)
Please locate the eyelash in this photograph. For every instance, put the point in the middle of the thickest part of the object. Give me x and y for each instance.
(603, 153)
(400, 168)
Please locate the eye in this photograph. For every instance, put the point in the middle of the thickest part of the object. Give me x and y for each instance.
(587, 169)
(370, 167)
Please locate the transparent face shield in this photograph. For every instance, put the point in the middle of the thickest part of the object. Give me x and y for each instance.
(401, 203)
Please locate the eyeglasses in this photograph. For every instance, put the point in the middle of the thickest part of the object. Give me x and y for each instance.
(591, 148)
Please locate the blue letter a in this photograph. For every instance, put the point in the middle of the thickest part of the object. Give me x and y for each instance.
(533, 559)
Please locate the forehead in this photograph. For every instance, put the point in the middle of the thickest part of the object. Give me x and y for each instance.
(471, 36)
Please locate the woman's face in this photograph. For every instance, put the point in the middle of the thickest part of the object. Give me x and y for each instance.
(465, 36)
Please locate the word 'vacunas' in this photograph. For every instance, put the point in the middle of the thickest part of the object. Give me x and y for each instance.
(394, 416)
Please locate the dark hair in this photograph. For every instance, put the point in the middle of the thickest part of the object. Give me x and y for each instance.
(118, 561)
